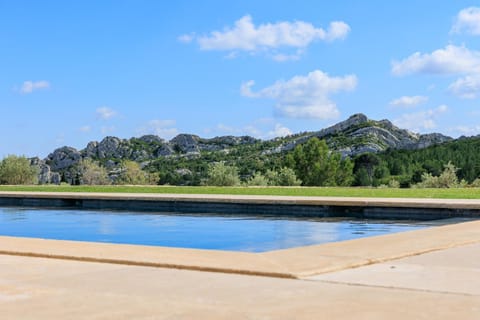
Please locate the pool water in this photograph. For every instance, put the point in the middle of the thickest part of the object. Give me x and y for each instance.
(237, 233)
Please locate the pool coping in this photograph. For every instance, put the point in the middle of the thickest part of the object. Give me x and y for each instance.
(300, 262)
(371, 208)
(256, 199)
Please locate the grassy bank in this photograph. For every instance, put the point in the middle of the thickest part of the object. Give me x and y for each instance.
(460, 193)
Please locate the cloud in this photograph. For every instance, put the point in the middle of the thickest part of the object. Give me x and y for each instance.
(467, 87)
(279, 131)
(282, 57)
(186, 38)
(250, 130)
(408, 101)
(105, 113)
(304, 96)
(30, 86)
(246, 36)
(161, 128)
(450, 60)
(465, 130)
(420, 121)
(467, 21)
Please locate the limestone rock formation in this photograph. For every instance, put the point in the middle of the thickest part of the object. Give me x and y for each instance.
(62, 158)
(358, 134)
(186, 143)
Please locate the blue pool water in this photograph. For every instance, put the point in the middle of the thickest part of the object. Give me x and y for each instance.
(238, 233)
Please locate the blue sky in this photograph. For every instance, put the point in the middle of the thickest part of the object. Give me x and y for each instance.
(76, 71)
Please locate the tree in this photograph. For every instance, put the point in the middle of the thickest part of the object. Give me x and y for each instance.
(344, 176)
(132, 174)
(220, 174)
(365, 168)
(92, 173)
(17, 170)
(315, 165)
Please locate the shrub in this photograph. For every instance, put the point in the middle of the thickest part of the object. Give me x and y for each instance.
(475, 183)
(220, 174)
(257, 179)
(287, 177)
(447, 179)
(131, 173)
(393, 184)
(17, 170)
(92, 173)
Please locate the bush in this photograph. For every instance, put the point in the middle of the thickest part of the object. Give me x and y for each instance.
(132, 174)
(447, 179)
(257, 179)
(220, 174)
(285, 177)
(475, 183)
(92, 173)
(17, 170)
(393, 184)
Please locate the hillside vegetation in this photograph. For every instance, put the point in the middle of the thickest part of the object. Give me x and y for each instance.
(355, 152)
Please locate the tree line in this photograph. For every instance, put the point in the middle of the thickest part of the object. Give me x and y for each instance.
(451, 164)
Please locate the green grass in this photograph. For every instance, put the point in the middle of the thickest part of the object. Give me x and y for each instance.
(460, 193)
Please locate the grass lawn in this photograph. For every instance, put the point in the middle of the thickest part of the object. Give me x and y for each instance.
(460, 193)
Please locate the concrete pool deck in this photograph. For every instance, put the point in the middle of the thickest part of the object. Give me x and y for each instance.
(444, 284)
(431, 273)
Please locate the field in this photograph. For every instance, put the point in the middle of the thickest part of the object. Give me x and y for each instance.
(454, 193)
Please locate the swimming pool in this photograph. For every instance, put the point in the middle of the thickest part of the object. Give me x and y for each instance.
(219, 232)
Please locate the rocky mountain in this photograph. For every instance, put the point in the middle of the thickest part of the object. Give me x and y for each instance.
(358, 134)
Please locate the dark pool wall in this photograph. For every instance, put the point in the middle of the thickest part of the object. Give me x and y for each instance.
(275, 209)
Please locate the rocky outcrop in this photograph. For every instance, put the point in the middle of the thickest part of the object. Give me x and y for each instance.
(164, 150)
(45, 174)
(427, 140)
(152, 139)
(186, 143)
(63, 158)
(352, 122)
(358, 134)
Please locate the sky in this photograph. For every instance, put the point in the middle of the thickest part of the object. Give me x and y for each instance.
(76, 71)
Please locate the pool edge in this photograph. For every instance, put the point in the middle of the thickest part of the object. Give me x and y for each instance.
(295, 263)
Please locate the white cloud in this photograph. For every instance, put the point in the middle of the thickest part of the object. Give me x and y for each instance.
(282, 57)
(304, 96)
(465, 130)
(279, 131)
(408, 101)
(105, 113)
(450, 60)
(186, 38)
(467, 87)
(246, 36)
(420, 121)
(161, 128)
(250, 130)
(467, 21)
(30, 86)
